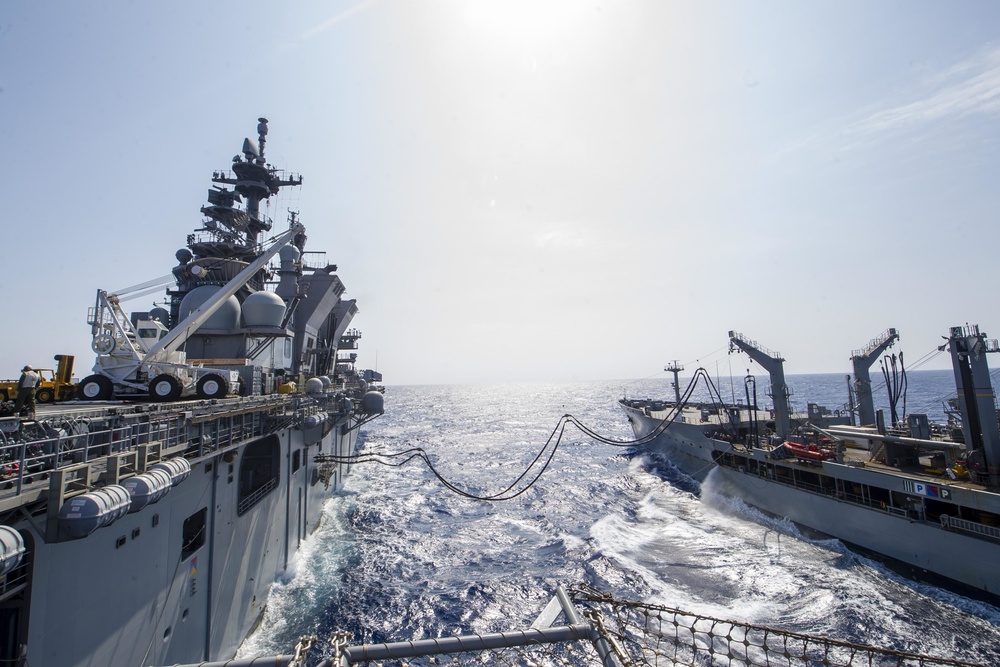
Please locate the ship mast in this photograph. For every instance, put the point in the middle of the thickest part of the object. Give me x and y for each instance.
(862, 360)
(774, 365)
(253, 179)
(675, 368)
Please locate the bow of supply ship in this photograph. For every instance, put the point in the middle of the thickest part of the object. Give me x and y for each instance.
(145, 522)
(923, 497)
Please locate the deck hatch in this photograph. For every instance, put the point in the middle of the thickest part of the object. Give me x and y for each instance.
(260, 472)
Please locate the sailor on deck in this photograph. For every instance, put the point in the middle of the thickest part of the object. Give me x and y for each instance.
(26, 386)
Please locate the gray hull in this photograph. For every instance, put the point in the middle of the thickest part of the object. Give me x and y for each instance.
(921, 545)
(910, 520)
(682, 442)
(186, 578)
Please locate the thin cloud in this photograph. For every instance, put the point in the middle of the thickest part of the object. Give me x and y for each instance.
(970, 87)
(562, 236)
(329, 23)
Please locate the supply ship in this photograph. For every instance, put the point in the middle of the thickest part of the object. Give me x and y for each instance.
(144, 523)
(923, 497)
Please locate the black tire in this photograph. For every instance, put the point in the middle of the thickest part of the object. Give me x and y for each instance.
(212, 385)
(3, 395)
(165, 388)
(95, 388)
(45, 395)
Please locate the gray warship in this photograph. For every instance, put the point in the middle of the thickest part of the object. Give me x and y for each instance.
(923, 497)
(145, 522)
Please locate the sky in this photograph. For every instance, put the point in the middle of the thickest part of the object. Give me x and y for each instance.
(524, 190)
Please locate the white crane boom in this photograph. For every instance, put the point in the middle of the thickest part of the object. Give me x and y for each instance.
(180, 333)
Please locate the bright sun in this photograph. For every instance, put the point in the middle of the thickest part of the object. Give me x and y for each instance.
(532, 21)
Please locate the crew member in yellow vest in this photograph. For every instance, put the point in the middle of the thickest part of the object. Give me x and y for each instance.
(26, 387)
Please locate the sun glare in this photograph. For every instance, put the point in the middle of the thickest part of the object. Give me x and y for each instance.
(531, 21)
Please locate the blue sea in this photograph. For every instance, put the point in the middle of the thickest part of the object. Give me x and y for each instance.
(401, 557)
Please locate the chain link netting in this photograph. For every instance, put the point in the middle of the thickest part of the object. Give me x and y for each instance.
(635, 634)
(656, 635)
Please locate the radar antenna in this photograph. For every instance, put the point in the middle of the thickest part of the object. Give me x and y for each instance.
(261, 135)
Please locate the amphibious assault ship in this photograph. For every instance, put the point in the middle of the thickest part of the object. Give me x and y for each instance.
(922, 496)
(144, 523)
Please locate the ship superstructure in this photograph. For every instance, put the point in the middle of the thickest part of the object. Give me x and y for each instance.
(924, 496)
(145, 523)
(233, 323)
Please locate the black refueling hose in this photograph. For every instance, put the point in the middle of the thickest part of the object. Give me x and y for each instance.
(532, 473)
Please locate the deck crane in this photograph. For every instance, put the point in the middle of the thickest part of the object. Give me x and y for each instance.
(862, 360)
(773, 363)
(126, 365)
(977, 402)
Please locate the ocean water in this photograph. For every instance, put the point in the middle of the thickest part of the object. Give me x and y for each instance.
(400, 557)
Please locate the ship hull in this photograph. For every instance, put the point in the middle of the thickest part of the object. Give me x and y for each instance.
(184, 579)
(682, 442)
(919, 549)
(863, 507)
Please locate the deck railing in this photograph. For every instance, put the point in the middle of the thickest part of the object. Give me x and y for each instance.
(88, 436)
(257, 496)
(971, 527)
